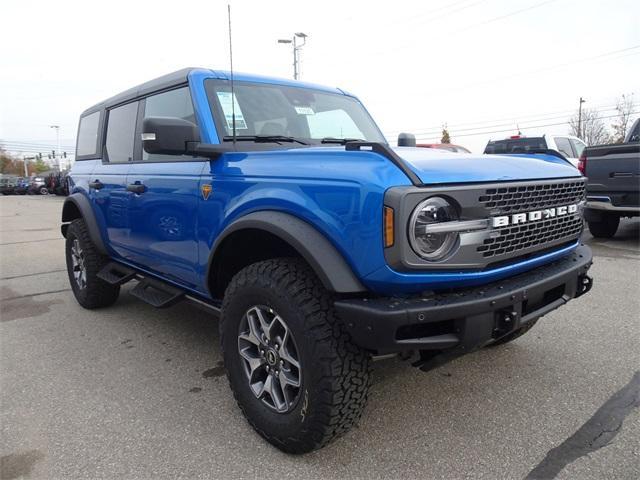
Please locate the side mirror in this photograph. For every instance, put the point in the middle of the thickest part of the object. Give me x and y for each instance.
(168, 135)
(406, 140)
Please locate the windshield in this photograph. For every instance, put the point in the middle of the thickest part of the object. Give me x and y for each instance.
(279, 111)
(516, 145)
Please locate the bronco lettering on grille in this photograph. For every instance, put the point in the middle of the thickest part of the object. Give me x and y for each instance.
(519, 218)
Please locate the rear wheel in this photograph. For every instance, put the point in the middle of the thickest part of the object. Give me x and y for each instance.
(606, 227)
(296, 375)
(44, 191)
(83, 264)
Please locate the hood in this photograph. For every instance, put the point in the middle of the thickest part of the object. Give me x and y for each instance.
(439, 166)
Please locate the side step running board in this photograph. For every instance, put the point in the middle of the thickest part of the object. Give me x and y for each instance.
(116, 274)
(156, 293)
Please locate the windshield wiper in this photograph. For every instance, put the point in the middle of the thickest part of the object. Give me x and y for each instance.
(340, 141)
(263, 139)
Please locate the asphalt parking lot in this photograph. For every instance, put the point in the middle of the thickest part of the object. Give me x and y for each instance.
(134, 392)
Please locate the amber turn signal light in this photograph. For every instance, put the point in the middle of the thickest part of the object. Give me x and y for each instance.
(388, 227)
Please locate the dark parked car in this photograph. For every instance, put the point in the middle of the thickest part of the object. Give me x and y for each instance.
(38, 186)
(613, 189)
(8, 185)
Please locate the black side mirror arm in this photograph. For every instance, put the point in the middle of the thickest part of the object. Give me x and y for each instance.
(208, 150)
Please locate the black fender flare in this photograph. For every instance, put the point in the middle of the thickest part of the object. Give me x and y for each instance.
(326, 261)
(78, 202)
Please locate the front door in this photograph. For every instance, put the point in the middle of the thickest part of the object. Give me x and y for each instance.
(163, 193)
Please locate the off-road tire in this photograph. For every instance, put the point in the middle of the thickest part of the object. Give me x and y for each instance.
(606, 227)
(515, 334)
(335, 372)
(97, 293)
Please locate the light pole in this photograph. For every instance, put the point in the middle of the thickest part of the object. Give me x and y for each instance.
(26, 165)
(296, 49)
(57, 127)
(582, 100)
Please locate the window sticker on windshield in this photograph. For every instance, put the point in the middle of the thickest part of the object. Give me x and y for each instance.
(225, 102)
(304, 111)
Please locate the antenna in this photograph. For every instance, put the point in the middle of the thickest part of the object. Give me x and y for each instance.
(233, 96)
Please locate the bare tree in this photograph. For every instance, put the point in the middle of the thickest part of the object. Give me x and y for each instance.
(592, 130)
(624, 107)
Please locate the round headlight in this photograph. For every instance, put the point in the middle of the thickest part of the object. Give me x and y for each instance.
(432, 245)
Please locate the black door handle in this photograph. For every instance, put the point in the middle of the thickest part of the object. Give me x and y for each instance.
(96, 184)
(136, 188)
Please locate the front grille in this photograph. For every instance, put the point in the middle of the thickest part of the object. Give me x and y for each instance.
(514, 238)
(523, 198)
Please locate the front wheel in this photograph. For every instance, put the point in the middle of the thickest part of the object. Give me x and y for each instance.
(296, 375)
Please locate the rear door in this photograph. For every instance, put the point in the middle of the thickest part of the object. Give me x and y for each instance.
(107, 181)
(163, 211)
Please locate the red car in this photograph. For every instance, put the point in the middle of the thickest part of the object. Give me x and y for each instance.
(444, 146)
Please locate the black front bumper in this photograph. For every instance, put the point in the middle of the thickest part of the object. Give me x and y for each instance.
(463, 320)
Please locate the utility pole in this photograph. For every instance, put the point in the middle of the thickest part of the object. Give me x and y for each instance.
(296, 49)
(26, 163)
(582, 100)
(57, 127)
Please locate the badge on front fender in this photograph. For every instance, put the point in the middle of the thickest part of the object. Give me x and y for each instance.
(206, 191)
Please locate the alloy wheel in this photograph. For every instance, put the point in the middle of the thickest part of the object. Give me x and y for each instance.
(270, 358)
(77, 263)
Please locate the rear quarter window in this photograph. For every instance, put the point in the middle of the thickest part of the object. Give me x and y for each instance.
(87, 144)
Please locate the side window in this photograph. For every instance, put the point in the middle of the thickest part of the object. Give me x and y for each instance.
(578, 146)
(88, 135)
(564, 147)
(121, 128)
(174, 103)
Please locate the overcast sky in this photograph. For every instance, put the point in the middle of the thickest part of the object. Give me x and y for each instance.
(477, 65)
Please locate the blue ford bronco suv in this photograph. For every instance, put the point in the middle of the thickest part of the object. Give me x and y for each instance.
(280, 205)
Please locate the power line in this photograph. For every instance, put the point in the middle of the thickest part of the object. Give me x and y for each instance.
(416, 19)
(502, 17)
(479, 24)
(601, 56)
(36, 144)
(450, 12)
(512, 120)
(453, 134)
(553, 67)
(42, 148)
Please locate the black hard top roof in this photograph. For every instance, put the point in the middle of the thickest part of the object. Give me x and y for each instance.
(165, 81)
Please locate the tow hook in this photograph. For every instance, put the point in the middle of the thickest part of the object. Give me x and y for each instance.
(585, 282)
(505, 322)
